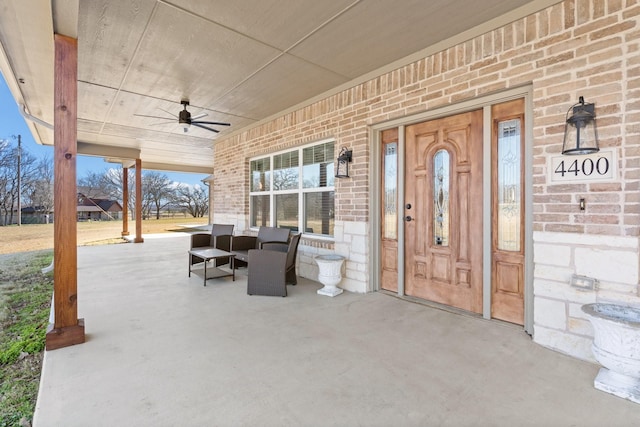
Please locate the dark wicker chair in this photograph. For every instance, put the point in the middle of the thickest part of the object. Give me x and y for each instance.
(240, 245)
(219, 238)
(272, 268)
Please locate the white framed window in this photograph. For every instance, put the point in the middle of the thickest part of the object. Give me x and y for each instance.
(295, 189)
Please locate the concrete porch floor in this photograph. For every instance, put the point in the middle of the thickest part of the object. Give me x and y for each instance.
(163, 350)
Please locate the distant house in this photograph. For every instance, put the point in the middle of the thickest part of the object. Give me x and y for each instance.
(98, 209)
(36, 215)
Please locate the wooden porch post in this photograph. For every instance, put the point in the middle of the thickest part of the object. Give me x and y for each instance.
(125, 201)
(138, 238)
(67, 329)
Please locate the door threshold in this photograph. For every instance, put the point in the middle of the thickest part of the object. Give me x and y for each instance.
(449, 309)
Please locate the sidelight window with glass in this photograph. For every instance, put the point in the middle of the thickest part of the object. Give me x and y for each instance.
(390, 197)
(509, 185)
(295, 189)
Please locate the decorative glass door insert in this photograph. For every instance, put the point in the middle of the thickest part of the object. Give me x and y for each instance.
(441, 198)
(509, 185)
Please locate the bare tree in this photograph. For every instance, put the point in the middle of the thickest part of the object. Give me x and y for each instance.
(9, 191)
(285, 179)
(39, 191)
(5, 147)
(157, 192)
(5, 178)
(194, 200)
(94, 185)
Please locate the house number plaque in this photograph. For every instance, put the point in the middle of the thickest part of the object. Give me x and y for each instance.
(597, 167)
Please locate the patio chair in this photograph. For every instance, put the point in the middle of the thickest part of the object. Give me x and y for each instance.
(272, 268)
(219, 238)
(240, 245)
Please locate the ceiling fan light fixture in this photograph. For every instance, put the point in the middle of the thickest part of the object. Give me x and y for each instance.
(184, 117)
(185, 120)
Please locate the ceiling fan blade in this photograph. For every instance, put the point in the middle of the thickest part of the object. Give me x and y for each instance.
(153, 117)
(204, 127)
(171, 114)
(212, 123)
(162, 123)
(198, 116)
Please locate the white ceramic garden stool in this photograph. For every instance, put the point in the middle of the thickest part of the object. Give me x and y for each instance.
(330, 274)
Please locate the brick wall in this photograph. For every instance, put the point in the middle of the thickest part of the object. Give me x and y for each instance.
(575, 48)
(587, 48)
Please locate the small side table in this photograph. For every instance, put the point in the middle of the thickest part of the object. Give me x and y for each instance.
(213, 254)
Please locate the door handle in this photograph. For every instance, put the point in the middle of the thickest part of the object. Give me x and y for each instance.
(408, 218)
(408, 206)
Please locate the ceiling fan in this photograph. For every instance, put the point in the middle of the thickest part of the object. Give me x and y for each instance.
(185, 119)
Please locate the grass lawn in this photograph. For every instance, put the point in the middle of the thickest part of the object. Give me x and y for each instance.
(25, 301)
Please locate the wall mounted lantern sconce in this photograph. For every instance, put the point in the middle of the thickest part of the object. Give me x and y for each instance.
(580, 132)
(344, 158)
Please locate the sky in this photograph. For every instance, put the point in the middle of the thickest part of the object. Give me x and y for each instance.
(13, 124)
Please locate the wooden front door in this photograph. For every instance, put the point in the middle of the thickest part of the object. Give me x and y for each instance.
(443, 211)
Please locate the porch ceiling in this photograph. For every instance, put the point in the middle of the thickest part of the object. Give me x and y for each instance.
(240, 62)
